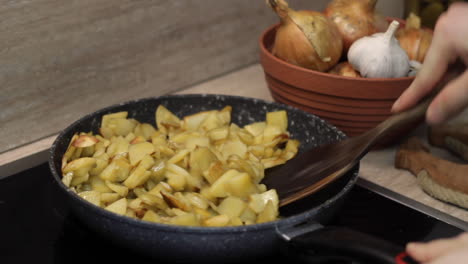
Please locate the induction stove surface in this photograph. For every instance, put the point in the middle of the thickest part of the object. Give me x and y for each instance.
(36, 224)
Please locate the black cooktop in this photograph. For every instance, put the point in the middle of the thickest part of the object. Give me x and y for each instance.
(37, 227)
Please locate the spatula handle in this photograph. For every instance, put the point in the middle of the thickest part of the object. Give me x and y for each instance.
(417, 113)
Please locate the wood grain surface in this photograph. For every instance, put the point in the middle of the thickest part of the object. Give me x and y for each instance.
(63, 59)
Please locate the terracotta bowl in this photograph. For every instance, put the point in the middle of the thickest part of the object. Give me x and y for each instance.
(354, 105)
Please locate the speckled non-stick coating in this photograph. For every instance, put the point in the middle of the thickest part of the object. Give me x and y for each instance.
(194, 244)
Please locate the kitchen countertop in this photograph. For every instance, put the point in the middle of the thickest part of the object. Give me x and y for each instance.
(376, 166)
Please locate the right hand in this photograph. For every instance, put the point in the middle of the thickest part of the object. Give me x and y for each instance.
(449, 43)
(441, 251)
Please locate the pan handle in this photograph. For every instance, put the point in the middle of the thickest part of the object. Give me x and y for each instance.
(306, 243)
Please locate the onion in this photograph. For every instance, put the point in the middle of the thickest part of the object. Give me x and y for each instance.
(355, 19)
(414, 39)
(306, 38)
(344, 69)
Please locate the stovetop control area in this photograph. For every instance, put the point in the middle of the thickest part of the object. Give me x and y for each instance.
(37, 227)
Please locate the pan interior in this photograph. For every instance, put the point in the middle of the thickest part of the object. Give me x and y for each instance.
(309, 129)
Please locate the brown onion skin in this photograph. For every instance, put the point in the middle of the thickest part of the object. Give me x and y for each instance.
(355, 19)
(415, 41)
(292, 45)
(344, 69)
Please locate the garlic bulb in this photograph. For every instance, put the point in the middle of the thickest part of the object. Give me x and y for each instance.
(379, 55)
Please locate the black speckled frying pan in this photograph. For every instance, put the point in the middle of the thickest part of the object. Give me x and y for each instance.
(301, 225)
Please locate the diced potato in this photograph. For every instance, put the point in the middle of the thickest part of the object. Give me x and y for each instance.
(101, 163)
(84, 141)
(67, 178)
(193, 122)
(166, 120)
(106, 132)
(82, 165)
(136, 140)
(191, 181)
(232, 206)
(257, 202)
(162, 186)
(98, 184)
(202, 213)
(136, 204)
(130, 213)
(151, 216)
(93, 197)
(118, 207)
(121, 126)
(218, 188)
(256, 129)
(118, 188)
(234, 147)
(108, 198)
(235, 221)
(270, 133)
(200, 160)
(118, 170)
(178, 156)
(100, 147)
(187, 219)
(278, 118)
(215, 171)
(248, 215)
(137, 177)
(254, 169)
(118, 146)
(182, 137)
(246, 137)
(211, 121)
(240, 185)
(217, 221)
(153, 200)
(69, 152)
(196, 200)
(146, 162)
(176, 202)
(136, 152)
(157, 170)
(144, 130)
(176, 181)
(269, 213)
(106, 118)
(194, 142)
(80, 169)
(225, 115)
(218, 134)
(272, 162)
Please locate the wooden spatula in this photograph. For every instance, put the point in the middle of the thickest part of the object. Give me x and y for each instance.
(310, 171)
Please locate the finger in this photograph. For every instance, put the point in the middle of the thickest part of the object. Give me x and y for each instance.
(439, 55)
(458, 256)
(424, 252)
(450, 101)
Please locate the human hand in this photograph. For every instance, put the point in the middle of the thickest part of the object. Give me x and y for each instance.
(441, 251)
(449, 43)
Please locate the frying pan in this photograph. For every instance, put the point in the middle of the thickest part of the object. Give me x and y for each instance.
(300, 229)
